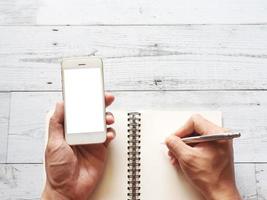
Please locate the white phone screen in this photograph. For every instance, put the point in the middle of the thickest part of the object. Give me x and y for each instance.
(84, 104)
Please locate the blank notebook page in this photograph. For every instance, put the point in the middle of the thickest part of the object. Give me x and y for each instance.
(159, 179)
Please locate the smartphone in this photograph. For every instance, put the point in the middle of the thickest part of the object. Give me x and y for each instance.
(84, 100)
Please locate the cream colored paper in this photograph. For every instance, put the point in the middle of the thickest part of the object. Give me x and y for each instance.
(159, 179)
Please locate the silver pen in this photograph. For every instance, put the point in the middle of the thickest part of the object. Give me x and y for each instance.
(211, 137)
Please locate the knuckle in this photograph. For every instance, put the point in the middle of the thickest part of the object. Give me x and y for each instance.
(52, 121)
(48, 151)
(49, 148)
(54, 124)
(53, 146)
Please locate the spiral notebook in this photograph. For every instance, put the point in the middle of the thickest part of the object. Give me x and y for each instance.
(138, 167)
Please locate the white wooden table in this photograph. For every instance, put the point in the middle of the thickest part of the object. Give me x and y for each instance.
(158, 54)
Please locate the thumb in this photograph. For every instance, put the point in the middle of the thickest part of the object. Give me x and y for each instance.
(177, 146)
(56, 124)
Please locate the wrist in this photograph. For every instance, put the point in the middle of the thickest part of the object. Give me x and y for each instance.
(223, 192)
(51, 194)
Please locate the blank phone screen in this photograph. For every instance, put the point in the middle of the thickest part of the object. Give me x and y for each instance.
(84, 104)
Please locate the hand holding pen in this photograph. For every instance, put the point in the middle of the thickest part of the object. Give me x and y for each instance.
(209, 166)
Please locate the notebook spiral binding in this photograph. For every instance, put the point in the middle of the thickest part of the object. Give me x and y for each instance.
(134, 136)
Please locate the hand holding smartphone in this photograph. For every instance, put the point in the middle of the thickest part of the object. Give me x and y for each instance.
(83, 93)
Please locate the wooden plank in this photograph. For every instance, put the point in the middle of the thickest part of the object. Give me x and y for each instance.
(246, 181)
(28, 124)
(261, 180)
(21, 181)
(193, 57)
(24, 181)
(4, 119)
(80, 12)
(244, 111)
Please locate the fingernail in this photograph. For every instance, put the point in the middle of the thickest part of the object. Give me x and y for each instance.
(109, 94)
(110, 117)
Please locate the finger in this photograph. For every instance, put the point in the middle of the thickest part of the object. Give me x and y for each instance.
(177, 165)
(109, 118)
(173, 160)
(170, 154)
(56, 124)
(111, 134)
(198, 124)
(109, 98)
(177, 147)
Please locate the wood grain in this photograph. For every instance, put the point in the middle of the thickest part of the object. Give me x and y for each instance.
(27, 125)
(190, 57)
(243, 111)
(4, 119)
(83, 12)
(21, 181)
(154, 58)
(24, 181)
(246, 181)
(261, 180)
